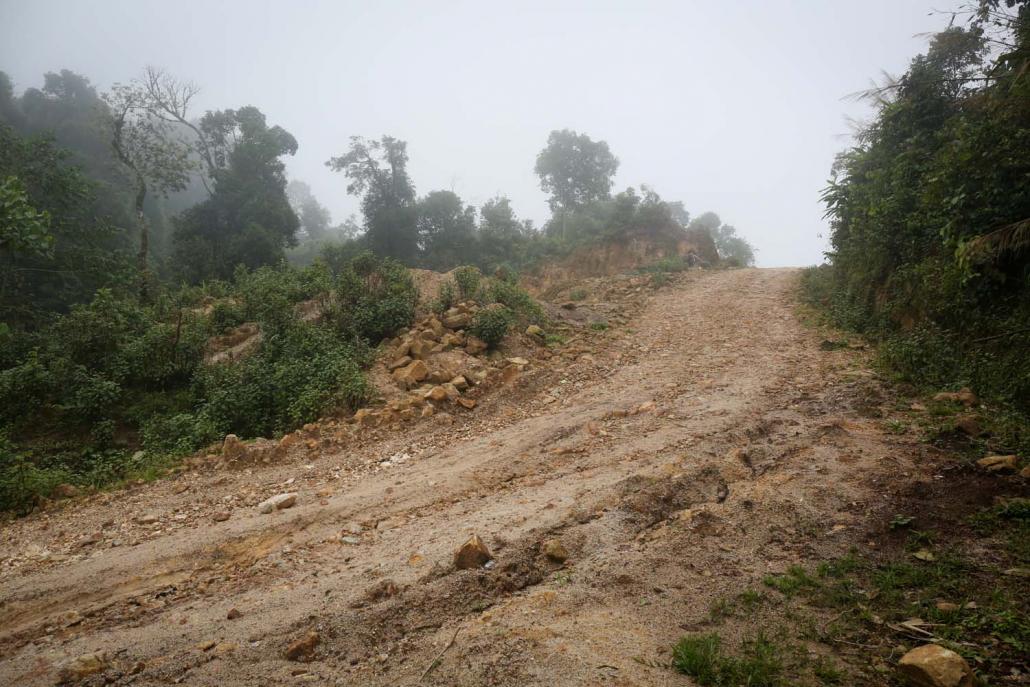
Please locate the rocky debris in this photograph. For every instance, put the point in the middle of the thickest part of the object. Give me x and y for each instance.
(965, 396)
(303, 647)
(399, 362)
(278, 502)
(233, 448)
(437, 393)
(932, 665)
(220, 516)
(999, 463)
(233, 614)
(475, 346)
(383, 590)
(82, 667)
(472, 554)
(146, 519)
(555, 551)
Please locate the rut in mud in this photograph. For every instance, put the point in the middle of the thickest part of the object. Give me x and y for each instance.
(708, 444)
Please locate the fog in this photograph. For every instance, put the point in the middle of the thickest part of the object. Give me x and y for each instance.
(737, 108)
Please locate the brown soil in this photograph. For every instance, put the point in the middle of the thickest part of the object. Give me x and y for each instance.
(684, 456)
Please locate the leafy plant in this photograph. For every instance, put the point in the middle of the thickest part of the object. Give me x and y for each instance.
(492, 325)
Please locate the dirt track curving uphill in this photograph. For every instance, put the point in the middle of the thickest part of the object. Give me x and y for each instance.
(707, 444)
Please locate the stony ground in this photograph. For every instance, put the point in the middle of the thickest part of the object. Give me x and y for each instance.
(705, 444)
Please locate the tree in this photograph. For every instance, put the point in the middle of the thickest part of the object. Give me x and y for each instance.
(248, 219)
(377, 171)
(502, 237)
(23, 228)
(145, 144)
(56, 249)
(314, 218)
(575, 170)
(732, 248)
(446, 230)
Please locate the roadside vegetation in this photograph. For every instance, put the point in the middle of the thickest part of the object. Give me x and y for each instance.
(930, 222)
(957, 582)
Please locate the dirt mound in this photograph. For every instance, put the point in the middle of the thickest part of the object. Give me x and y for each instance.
(428, 283)
(622, 256)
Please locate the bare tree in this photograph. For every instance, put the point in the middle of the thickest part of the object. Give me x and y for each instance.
(169, 100)
(155, 157)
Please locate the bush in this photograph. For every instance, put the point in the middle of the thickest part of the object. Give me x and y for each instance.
(446, 298)
(178, 434)
(516, 299)
(374, 298)
(22, 483)
(300, 372)
(467, 279)
(492, 325)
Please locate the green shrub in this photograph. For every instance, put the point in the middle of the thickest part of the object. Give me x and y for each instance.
(578, 294)
(517, 300)
(226, 314)
(299, 372)
(22, 482)
(492, 325)
(375, 298)
(467, 279)
(446, 298)
(179, 433)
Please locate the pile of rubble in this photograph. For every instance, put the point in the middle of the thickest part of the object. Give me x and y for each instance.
(437, 366)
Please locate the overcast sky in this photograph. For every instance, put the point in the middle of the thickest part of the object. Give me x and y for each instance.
(735, 107)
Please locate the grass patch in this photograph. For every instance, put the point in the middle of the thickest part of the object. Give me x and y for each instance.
(757, 663)
(791, 582)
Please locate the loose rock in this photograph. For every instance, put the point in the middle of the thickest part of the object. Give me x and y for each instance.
(472, 554)
(83, 666)
(999, 463)
(278, 502)
(555, 551)
(303, 647)
(932, 665)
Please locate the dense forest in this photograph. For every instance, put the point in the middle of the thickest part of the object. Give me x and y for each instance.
(134, 230)
(930, 219)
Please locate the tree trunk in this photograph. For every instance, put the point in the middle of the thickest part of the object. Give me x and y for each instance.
(144, 240)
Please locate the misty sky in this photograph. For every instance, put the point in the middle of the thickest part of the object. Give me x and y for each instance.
(733, 107)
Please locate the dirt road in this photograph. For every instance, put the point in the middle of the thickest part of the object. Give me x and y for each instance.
(706, 444)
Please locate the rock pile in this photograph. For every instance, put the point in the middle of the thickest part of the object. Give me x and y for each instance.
(437, 365)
